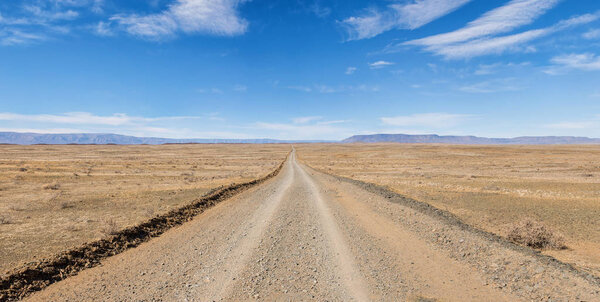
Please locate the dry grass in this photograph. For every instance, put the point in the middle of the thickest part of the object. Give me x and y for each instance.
(5, 219)
(536, 235)
(54, 186)
(56, 197)
(491, 187)
(110, 227)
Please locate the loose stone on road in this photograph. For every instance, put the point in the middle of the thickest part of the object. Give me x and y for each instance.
(305, 235)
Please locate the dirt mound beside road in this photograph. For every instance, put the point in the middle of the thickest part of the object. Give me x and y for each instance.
(36, 276)
(305, 235)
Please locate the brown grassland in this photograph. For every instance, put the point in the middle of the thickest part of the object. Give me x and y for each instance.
(494, 188)
(53, 198)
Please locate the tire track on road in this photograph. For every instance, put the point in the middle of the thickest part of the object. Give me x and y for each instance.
(305, 235)
(349, 272)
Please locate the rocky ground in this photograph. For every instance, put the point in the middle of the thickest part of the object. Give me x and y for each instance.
(305, 235)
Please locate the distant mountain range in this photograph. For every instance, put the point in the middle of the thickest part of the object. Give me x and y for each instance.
(469, 140)
(103, 139)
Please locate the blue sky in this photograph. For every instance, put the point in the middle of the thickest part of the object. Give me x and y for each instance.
(314, 69)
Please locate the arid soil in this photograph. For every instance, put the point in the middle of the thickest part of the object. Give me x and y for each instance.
(490, 187)
(53, 198)
(305, 235)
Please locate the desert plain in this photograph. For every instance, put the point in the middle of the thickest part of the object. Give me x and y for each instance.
(493, 188)
(444, 232)
(56, 197)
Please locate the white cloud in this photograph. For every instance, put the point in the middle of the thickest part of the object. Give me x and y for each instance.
(487, 69)
(36, 22)
(327, 89)
(592, 34)
(492, 86)
(488, 46)
(300, 88)
(496, 45)
(333, 122)
(410, 15)
(214, 17)
(350, 70)
(420, 12)
(432, 120)
(211, 125)
(306, 119)
(320, 88)
(500, 20)
(380, 64)
(9, 37)
(42, 16)
(319, 10)
(176, 133)
(85, 118)
(43, 130)
(98, 6)
(103, 29)
(585, 61)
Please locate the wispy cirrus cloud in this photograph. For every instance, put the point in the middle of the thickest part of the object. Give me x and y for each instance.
(592, 34)
(380, 64)
(488, 46)
(320, 88)
(300, 88)
(86, 118)
(492, 86)
(30, 21)
(483, 36)
(583, 61)
(306, 119)
(500, 20)
(409, 15)
(12, 36)
(497, 45)
(35, 22)
(488, 69)
(213, 17)
(120, 123)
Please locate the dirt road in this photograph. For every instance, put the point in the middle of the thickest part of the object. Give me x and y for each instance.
(305, 235)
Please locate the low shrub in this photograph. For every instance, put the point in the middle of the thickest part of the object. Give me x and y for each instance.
(536, 235)
(110, 227)
(5, 219)
(53, 186)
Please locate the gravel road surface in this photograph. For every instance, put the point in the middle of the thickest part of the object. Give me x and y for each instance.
(305, 235)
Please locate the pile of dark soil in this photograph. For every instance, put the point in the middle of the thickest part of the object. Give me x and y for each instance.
(34, 277)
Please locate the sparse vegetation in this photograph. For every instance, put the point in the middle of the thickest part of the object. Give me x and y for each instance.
(5, 219)
(70, 193)
(52, 186)
(534, 234)
(64, 205)
(110, 227)
(490, 187)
